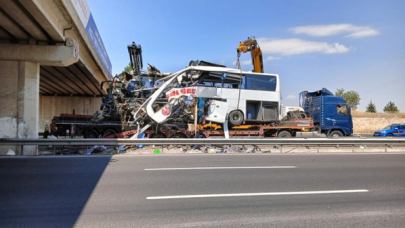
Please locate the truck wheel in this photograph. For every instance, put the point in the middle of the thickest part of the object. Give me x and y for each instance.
(109, 132)
(158, 135)
(284, 134)
(179, 135)
(335, 134)
(303, 115)
(91, 134)
(235, 118)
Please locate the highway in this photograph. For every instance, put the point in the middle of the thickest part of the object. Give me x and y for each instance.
(218, 190)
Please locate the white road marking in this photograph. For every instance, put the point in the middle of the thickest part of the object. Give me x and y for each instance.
(251, 167)
(258, 194)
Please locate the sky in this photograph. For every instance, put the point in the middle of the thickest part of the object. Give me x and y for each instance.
(355, 45)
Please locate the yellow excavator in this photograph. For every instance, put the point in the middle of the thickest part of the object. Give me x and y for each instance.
(257, 59)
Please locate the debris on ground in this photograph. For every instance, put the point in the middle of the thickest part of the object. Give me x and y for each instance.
(10, 152)
(96, 149)
(194, 151)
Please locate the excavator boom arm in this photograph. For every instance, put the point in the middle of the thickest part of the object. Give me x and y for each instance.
(251, 45)
(135, 57)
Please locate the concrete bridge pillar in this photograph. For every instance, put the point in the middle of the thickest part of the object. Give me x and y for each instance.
(19, 87)
(19, 102)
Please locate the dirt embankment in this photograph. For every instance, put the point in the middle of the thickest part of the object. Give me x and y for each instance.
(364, 122)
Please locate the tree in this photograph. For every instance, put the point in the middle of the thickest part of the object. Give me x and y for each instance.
(352, 97)
(371, 107)
(391, 107)
(128, 68)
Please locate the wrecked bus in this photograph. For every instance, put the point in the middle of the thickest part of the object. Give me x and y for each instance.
(248, 102)
(228, 94)
(212, 94)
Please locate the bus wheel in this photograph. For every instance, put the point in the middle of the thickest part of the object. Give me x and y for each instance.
(109, 132)
(235, 118)
(91, 134)
(335, 134)
(284, 134)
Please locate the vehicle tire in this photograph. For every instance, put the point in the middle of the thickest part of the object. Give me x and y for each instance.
(284, 134)
(91, 134)
(335, 134)
(303, 115)
(158, 135)
(109, 132)
(179, 135)
(389, 135)
(235, 118)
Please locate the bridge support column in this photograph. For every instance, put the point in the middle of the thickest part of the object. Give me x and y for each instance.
(19, 102)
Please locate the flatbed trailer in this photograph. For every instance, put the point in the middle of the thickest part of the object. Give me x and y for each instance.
(282, 129)
(83, 125)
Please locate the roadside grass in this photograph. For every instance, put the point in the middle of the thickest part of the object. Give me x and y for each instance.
(365, 122)
(356, 113)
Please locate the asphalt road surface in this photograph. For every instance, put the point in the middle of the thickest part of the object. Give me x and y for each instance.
(287, 190)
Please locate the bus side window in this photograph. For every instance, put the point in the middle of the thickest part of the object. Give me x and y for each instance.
(259, 82)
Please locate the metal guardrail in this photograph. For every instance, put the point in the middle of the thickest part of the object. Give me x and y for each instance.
(239, 141)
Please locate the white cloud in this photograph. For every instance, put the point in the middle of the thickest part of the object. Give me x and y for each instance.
(334, 29)
(270, 58)
(290, 97)
(364, 33)
(246, 62)
(298, 46)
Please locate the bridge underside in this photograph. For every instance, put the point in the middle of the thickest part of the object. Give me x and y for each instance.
(48, 66)
(46, 23)
(73, 80)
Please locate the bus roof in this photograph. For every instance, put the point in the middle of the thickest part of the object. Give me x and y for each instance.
(216, 69)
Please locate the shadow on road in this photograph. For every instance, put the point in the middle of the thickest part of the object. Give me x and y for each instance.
(47, 191)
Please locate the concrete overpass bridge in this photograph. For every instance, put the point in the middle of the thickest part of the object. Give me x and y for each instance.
(52, 60)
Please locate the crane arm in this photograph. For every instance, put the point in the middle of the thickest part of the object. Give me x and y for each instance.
(251, 45)
(135, 57)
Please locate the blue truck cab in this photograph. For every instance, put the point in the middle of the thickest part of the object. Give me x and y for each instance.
(330, 113)
(393, 130)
